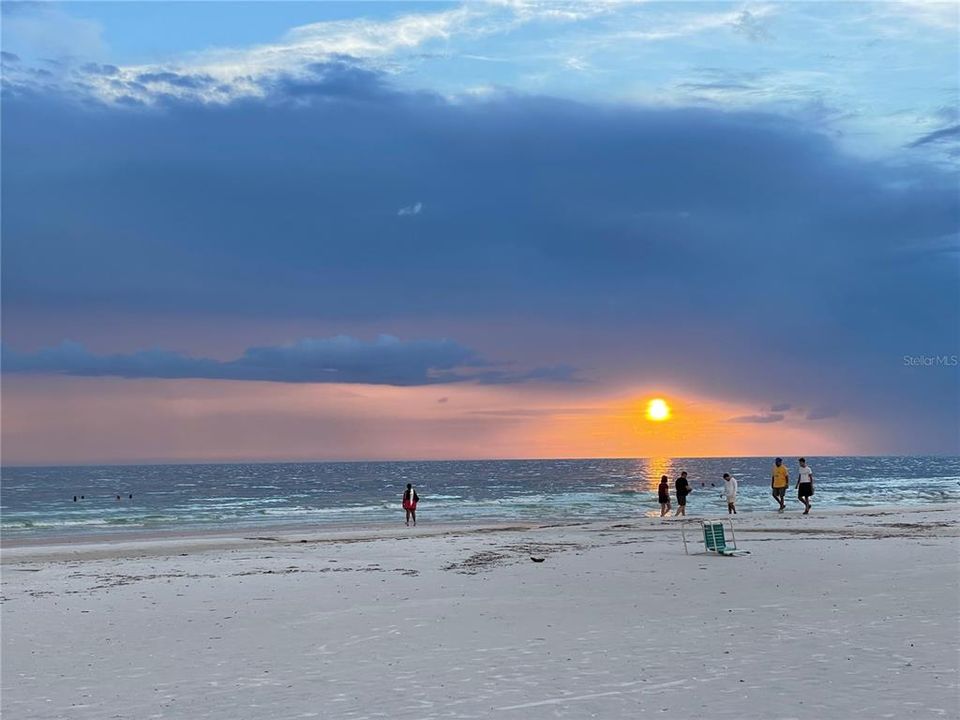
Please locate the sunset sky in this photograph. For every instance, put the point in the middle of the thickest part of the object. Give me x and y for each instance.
(270, 231)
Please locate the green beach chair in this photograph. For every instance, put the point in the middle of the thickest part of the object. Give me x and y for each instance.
(715, 538)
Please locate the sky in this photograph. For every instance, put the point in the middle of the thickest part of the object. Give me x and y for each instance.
(308, 231)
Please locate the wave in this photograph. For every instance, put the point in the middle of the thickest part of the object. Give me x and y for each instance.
(35, 500)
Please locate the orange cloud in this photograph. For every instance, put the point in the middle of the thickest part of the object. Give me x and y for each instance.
(698, 427)
(78, 420)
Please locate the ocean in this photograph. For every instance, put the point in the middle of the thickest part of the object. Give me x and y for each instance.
(38, 501)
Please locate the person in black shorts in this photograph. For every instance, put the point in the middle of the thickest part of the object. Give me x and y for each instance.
(663, 495)
(804, 484)
(683, 489)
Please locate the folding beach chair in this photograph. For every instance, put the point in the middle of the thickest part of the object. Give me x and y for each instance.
(715, 538)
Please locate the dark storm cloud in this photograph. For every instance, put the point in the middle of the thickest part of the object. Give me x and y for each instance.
(386, 361)
(740, 251)
(338, 78)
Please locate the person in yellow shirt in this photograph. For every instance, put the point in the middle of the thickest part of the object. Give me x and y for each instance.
(780, 481)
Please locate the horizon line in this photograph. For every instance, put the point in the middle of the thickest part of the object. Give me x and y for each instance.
(182, 462)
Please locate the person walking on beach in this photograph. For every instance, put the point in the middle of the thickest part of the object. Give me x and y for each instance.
(730, 490)
(410, 500)
(804, 484)
(780, 481)
(683, 489)
(663, 495)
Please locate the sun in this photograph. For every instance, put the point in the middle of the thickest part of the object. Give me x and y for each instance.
(658, 410)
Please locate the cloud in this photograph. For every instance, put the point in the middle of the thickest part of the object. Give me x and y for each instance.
(822, 413)
(577, 64)
(753, 27)
(100, 69)
(780, 407)
(944, 16)
(230, 74)
(758, 419)
(937, 136)
(805, 94)
(558, 10)
(174, 79)
(536, 412)
(597, 236)
(385, 361)
(686, 23)
(414, 209)
(393, 45)
(553, 373)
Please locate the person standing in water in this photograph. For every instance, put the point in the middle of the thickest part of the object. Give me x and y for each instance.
(683, 489)
(804, 484)
(410, 500)
(780, 481)
(730, 490)
(663, 495)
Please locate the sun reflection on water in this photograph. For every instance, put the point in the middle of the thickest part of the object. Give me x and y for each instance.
(657, 466)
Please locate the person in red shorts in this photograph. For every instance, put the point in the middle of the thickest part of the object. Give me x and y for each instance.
(410, 500)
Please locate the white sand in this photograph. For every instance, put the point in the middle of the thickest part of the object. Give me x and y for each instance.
(840, 615)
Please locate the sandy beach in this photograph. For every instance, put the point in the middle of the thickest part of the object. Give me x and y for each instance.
(848, 614)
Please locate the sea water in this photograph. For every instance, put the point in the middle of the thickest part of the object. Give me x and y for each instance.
(36, 501)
